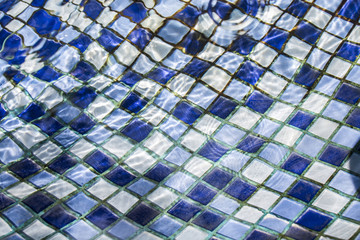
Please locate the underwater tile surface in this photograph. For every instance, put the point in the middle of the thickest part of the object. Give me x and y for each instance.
(179, 119)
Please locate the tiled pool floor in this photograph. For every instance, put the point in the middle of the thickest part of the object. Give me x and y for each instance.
(179, 119)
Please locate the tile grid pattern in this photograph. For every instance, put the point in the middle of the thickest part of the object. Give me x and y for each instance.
(120, 119)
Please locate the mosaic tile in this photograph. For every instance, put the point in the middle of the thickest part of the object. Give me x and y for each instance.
(179, 119)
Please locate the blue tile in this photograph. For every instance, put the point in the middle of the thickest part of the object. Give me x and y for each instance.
(83, 97)
(202, 194)
(133, 103)
(349, 51)
(141, 187)
(5, 6)
(276, 224)
(38, 201)
(142, 214)
(296, 163)
(48, 125)
(178, 156)
(99, 134)
(307, 76)
(100, 161)
(136, 12)
(18, 215)
(273, 153)
(218, 178)
(260, 235)
(240, 189)
(120, 176)
(280, 181)
(243, 45)
(222, 107)
(81, 230)
(266, 127)
(24, 168)
(213, 151)
(62, 163)
(123, 229)
(41, 179)
(173, 31)
(314, 219)
(117, 119)
(354, 118)
(9, 151)
(348, 93)
(345, 182)
(81, 203)
(58, 217)
(251, 144)
(37, 3)
(233, 229)
(334, 155)
(80, 175)
(140, 37)
(288, 208)
(93, 9)
(300, 233)
(184, 210)
(102, 217)
(353, 211)
(109, 40)
(187, 113)
(81, 43)
(44, 23)
(82, 124)
(159, 172)
(66, 112)
(173, 128)
(293, 94)
(33, 111)
(166, 226)
(229, 134)
(327, 85)
(350, 9)
(83, 71)
(161, 75)
(259, 102)
(137, 130)
(180, 182)
(66, 138)
(307, 32)
(304, 190)
(250, 72)
(276, 38)
(209, 220)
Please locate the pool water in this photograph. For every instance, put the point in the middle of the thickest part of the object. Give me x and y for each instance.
(179, 119)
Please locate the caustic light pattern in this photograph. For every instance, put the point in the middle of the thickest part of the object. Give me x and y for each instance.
(179, 119)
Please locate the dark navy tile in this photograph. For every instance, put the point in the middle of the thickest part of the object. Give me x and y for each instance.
(6, 5)
(38, 201)
(49, 125)
(5, 20)
(296, 163)
(102, 217)
(193, 43)
(243, 45)
(251, 144)
(196, 67)
(260, 235)
(159, 172)
(184, 210)
(83, 97)
(24, 168)
(301, 120)
(348, 93)
(82, 124)
(93, 9)
(120, 176)
(82, 42)
(5, 201)
(62, 163)
(259, 102)
(83, 71)
(212, 150)
(161, 75)
(299, 233)
(136, 11)
(314, 219)
(307, 76)
(33, 111)
(276, 38)
(250, 7)
(350, 9)
(349, 51)
(143, 214)
(222, 107)
(218, 178)
(307, 32)
(209, 220)
(44, 23)
(137, 130)
(202, 194)
(334, 155)
(48, 49)
(100, 161)
(298, 8)
(109, 40)
(38, 3)
(354, 118)
(187, 113)
(3, 112)
(47, 74)
(140, 37)
(133, 103)
(250, 72)
(58, 217)
(304, 190)
(240, 189)
(130, 78)
(188, 15)
(222, 9)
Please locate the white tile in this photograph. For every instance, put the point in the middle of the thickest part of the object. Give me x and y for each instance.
(257, 171)
(158, 143)
(211, 52)
(263, 54)
(47, 152)
(280, 111)
(244, 118)
(249, 214)
(323, 128)
(263, 199)
(272, 84)
(100, 107)
(123, 201)
(50, 97)
(102, 189)
(38, 230)
(147, 88)
(338, 67)
(208, 124)
(328, 42)
(297, 48)
(181, 84)
(153, 21)
(330, 201)
(162, 197)
(82, 148)
(342, 229)
(319, 172)
(21, 190)
(140, 160)
(118, 146)
(288, 136)
(153, 114)
(60, 188)
(193, 140)
(216, 78)
(191, 233)
(315, 102)
(317, 17)
(126, 53)
(96, 55)
(197, 166)
(28, 136)
(157, 49)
